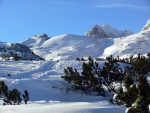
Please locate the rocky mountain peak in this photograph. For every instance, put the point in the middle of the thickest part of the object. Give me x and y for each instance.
(106, 31)
(106, 26)
(147, 26)
(43, 36)
(96, 32)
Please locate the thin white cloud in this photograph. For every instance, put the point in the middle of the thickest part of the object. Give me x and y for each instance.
(65, 3)
(124, 6)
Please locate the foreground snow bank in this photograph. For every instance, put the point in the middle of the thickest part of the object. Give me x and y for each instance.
(57, 107)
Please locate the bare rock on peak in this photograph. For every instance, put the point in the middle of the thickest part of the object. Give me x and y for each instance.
(106, 31)
(96, 32)
(147, 26)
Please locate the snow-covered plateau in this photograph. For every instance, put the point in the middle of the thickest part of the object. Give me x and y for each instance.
(42, 78)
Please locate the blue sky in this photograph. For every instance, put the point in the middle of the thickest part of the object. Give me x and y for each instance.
(22, 19)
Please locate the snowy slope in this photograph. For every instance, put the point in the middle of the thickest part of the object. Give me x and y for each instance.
(57, 107)
(147, 26)
(67, 47)
(133, 44)
(114, 33)
(47, 91)
(36, 40)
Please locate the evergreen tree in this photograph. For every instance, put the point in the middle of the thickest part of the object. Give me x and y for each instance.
(12, 97)
(137, 98)
(16, 57)
(16, 96)
(143, 99)
(92, 78)
(26, 96)
(128, 81)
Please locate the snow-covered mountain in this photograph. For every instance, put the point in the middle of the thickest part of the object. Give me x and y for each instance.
(106, 31)
(114, 33)
(68, 47)
(147, 26)
(17, 51)
(96, 32)
(133, 44)
(36, 40)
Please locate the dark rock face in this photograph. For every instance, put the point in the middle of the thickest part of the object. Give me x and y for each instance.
(21, 51)
(97, 32)
(19, 48)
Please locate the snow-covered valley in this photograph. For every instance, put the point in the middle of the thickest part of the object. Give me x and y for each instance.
(48, 91)
(42, 78)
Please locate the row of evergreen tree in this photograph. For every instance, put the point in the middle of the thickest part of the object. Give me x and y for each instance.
(12, 97)
(130, 72)
(91, 79)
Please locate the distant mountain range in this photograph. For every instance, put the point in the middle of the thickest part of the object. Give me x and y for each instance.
(100, 41)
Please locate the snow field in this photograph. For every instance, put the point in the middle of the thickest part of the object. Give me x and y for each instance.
(47, 91)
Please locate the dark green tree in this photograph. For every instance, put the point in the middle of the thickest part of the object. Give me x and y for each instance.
(16, 57)
(26, 96)
(91, 79)
(143, 99)
(11, 97)
(128, 81)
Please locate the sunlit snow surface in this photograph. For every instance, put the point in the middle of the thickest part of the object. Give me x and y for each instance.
(69, 47)
(47, 91)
